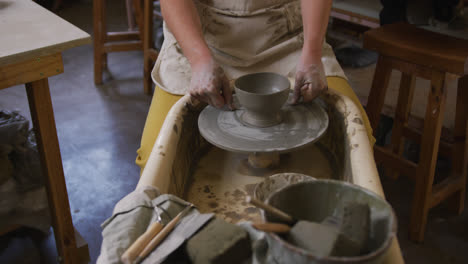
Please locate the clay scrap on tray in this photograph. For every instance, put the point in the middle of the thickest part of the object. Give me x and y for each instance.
(343, 236)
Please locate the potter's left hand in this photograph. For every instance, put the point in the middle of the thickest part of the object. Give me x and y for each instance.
(310, 79)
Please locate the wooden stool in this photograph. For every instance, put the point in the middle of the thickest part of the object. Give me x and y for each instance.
(421, 53)
(107, 42)
(150, 54)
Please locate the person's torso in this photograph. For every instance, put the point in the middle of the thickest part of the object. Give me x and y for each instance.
(244, 36)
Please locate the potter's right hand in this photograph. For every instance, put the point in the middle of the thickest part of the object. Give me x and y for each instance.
(209, 84)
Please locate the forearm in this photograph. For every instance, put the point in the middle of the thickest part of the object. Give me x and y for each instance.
(182, 19)
(315, 15)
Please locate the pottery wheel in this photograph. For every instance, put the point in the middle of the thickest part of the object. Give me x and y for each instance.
(302, 125)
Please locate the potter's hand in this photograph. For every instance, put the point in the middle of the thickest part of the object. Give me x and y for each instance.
(310, 80)
(209, 84)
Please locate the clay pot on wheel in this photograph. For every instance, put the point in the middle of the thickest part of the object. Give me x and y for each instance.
(262, 95)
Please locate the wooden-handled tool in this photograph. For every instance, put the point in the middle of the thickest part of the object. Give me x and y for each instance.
(272, 210)
(272, 227)
(135, 249)
(161, 235)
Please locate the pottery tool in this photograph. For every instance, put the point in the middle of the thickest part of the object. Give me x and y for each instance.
(272, 210)
(219, 242)
(155, 241)
(335, 236)
(272, 227)
(135, 249)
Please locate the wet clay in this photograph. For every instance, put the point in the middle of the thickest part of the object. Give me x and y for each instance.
(219, 242)
(262, 95)
(302, 125)
(221, 180)
(264, 160)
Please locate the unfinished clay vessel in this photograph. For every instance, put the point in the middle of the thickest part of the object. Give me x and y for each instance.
(262, 95)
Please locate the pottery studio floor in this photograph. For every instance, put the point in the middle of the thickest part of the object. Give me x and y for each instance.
(99, 129)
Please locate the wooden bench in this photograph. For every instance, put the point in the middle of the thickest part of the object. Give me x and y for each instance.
(420, 53)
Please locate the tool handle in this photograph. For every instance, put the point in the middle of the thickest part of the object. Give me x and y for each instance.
(159, 237)
(132, 252)
(272, 227)
(272, 210)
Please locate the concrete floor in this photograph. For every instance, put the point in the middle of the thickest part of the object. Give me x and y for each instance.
(99, 129)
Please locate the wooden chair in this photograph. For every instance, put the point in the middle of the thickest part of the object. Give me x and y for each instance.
(141, 39)
(417, 52)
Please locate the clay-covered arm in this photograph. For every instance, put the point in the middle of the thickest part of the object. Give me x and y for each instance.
(315, 14)
(208, 78)
(310, 75)
(182, 19)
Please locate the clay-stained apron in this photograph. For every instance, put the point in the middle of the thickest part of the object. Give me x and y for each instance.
(244, 36)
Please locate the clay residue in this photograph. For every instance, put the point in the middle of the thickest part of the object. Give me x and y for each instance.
(238, 195)
(233, 215)
(251, 210)
(4, 4)
(249, 188)
(176, 130)
(219, 187)
(213, 205)
(274, 18)
(357, 120)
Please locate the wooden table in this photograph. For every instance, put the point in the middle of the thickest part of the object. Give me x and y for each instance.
(32, 39)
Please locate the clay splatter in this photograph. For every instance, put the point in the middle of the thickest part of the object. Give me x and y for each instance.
(249, 188)
(233, 215)
(213, 204)
(250, 210)
(238, 194)
(206, 189)
(357, 120)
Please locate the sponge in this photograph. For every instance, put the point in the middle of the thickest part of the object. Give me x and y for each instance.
(219, 242)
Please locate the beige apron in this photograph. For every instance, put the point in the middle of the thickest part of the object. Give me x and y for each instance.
(244, 36)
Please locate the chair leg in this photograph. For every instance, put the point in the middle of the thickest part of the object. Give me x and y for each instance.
(99, 27)
(460, 159)
(148, 43)
(130, 15)
(138, 6)
(377, 93)
(428, 157)
(403, 109)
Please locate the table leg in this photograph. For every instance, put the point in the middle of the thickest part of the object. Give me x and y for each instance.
(42, 115)
(99, 27)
